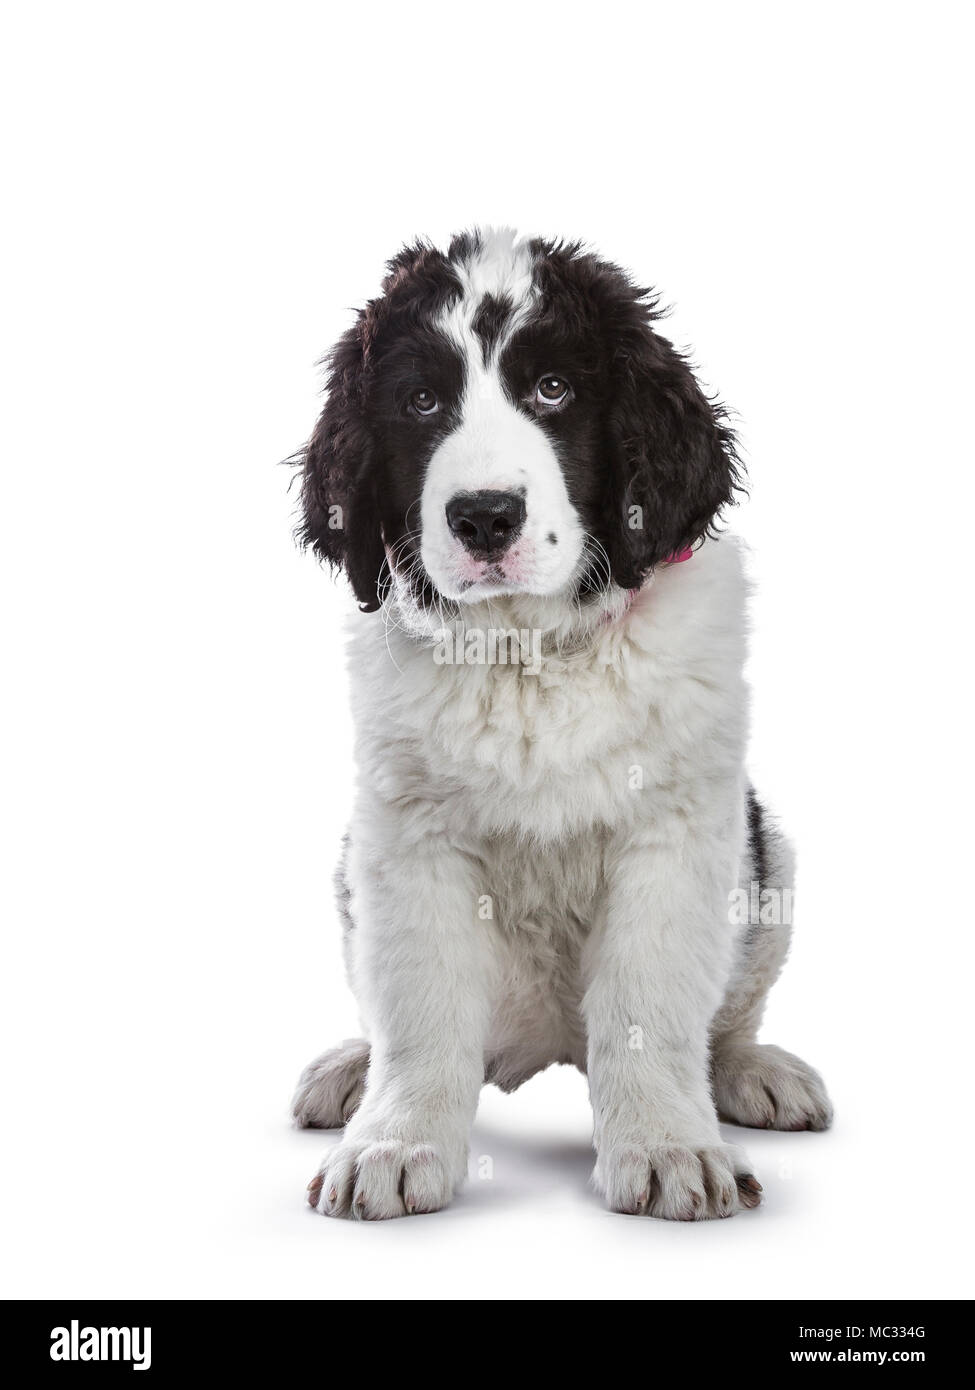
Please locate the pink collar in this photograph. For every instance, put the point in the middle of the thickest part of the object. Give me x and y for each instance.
(678, 558)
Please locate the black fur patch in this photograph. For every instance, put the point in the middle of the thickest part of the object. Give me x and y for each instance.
(757, 843)
(363, 468)
(649, 461)
(490, 321)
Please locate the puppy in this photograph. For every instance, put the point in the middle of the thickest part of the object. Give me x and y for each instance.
(554, 854)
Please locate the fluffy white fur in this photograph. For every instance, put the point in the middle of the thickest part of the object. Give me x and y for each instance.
(595, 810)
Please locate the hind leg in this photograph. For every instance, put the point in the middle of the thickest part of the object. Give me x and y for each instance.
(330, 1088)
(758, 1084)
(765, 1087)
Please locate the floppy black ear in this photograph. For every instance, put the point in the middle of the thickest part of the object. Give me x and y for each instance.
(673, 457)
(340, 519)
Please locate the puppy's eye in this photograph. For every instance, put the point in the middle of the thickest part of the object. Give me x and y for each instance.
(551, 390)
(424, 402)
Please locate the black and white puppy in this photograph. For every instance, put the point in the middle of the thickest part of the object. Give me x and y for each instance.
(555, 854)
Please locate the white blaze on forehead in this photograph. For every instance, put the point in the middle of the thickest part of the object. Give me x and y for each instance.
(501, 265)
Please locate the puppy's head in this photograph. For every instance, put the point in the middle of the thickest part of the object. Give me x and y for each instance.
(504, 419)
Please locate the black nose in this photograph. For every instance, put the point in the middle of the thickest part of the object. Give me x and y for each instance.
(488, 521)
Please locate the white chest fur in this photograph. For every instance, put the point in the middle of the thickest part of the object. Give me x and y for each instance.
(649, 706)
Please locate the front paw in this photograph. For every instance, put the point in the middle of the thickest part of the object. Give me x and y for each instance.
(374, 1179)
(677, 1183)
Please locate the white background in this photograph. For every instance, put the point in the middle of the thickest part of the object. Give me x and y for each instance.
(195, 196)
